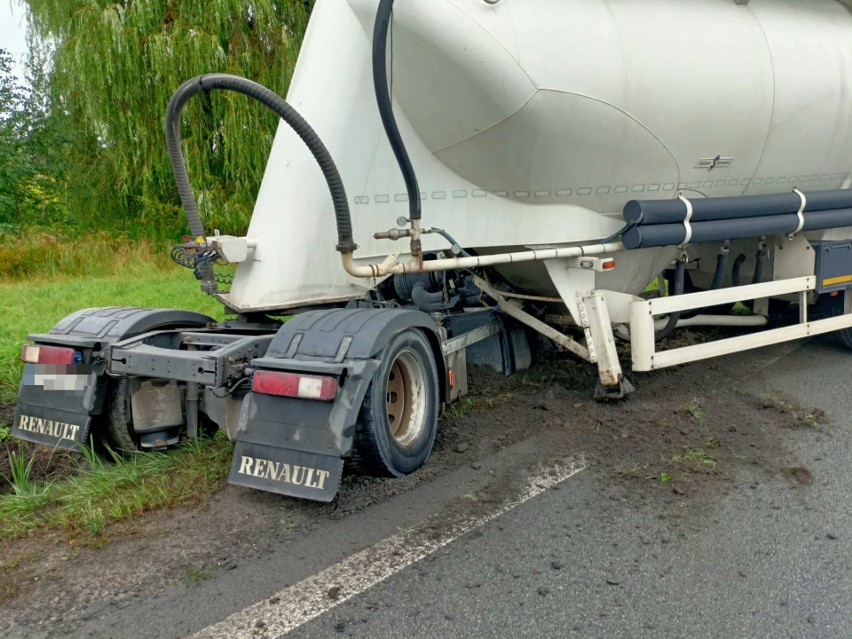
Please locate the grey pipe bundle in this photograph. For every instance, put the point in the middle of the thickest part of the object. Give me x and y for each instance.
(663, 222)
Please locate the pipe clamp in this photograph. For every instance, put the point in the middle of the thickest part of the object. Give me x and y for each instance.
(800, 214)
(686, 220)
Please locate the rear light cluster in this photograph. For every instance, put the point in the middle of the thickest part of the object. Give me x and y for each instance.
(40, 354)
(316, 387)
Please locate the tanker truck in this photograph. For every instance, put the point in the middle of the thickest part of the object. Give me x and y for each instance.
(453, 181)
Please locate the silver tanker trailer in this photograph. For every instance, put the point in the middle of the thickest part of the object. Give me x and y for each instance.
(451, 179)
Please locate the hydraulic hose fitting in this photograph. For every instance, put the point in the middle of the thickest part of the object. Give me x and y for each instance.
(759, 259)
(416, 244)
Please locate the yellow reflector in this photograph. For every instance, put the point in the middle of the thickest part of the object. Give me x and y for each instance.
(845, 279)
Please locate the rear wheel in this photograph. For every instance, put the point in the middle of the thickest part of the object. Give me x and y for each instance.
(118, 427)
(398, 420)
(119, 420)
(828, 306)
(845, 337)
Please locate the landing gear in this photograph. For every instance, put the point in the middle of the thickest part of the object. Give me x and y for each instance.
(398, 420)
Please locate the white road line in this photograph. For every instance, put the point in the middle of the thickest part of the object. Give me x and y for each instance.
(308, 599)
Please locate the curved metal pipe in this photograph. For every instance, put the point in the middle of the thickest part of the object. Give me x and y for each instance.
(721, 268)
(735, 269)
(392, 266)
(760, 259)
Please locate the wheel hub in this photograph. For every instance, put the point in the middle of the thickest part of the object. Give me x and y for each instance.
(406, 399)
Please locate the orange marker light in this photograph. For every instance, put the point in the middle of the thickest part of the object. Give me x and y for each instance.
(608, 265)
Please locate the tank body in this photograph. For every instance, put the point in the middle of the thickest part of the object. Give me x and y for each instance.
(532, 123)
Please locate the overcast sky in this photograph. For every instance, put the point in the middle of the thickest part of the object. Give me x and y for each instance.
(13, 30)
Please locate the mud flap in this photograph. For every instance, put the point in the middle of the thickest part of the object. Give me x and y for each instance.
(51, 427)
(286, 472)
(55, 404)
(295, 446)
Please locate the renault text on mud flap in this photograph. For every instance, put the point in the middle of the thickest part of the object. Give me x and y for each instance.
(49, 427)
(285, 473)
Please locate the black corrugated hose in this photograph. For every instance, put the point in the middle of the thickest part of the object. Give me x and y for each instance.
(279, 105)
(383, 98)
(668, 329)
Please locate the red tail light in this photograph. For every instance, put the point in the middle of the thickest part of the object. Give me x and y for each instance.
(295, 385)
(40, 354)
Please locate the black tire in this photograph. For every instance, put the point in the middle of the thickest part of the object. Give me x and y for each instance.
(398, 420)
(117, 423)
(118, 426)
(845, 337)
(828, 306)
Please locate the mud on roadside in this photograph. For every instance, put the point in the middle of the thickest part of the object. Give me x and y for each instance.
(675, 446)
(47, 464)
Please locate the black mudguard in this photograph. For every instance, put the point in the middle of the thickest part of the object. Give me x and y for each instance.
(56, 403)
(295, 446)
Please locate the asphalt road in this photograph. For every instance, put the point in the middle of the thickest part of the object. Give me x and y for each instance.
(762, 557)
(766, 561)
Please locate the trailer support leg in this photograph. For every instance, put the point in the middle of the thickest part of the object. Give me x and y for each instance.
(594, 317)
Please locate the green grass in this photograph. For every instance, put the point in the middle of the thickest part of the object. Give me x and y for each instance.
(470, 405)
(35, 306)
(35, 253)
(104, 491)
(696, 411)
(699, 459)
(460, 409)
(115, 490)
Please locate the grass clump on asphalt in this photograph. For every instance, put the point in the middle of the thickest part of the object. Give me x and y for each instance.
(695, 410)
(112, 490)
(699, 459)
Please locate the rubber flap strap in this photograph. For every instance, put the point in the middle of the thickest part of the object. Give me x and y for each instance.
(686, 220)
(800, 214)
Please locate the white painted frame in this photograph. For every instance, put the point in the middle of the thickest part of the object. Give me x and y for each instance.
(642, 314)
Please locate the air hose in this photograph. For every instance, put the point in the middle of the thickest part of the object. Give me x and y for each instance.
(383, 98)
(273, 101)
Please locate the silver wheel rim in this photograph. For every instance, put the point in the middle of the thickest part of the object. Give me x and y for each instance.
(405, 398)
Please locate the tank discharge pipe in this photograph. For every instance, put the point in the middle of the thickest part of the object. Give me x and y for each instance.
(735, 270)
(392, 266)
(760, 258)
(671, 323)
(721, 266)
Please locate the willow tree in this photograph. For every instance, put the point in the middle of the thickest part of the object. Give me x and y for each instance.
(114, 67)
